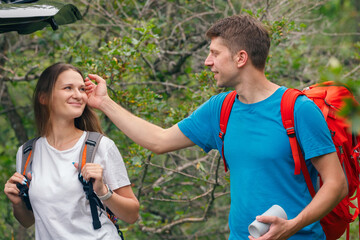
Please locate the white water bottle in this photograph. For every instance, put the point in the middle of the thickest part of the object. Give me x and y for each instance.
(257, 229)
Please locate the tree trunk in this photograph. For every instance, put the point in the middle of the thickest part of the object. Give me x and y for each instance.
(11, 114)
(5, 99)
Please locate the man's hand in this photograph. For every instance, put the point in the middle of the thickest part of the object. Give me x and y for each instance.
(97, 94)
(280, 229)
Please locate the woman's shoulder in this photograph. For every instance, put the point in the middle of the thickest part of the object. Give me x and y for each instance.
(106, 152)
(105, 143)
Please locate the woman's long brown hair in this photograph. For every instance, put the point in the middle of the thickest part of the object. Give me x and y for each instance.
(88, 121)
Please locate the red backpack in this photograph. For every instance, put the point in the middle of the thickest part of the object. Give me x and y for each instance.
(330, 99)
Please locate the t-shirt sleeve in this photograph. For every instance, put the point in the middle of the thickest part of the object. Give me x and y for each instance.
(311, 128)
(202, 126)
(19, 159)
(115, 174)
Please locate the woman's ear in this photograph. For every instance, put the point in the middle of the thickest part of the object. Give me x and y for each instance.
(42, 99)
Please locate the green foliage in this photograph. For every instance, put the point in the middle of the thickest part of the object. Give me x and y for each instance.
(151, 54)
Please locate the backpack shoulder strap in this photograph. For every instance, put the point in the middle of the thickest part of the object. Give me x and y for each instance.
(87, 155)
(287, 115)
(88, 150)
(28, 149)
(27, 156)
(224, 118)
(89, 147)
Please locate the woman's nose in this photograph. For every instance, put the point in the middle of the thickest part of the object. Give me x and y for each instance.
(77, 93)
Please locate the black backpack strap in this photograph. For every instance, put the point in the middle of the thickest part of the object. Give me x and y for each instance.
(93, 200)
(88, 151)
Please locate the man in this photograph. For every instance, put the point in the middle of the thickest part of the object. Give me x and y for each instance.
(257, 148)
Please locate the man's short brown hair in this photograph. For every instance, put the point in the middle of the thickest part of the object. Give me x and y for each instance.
(243, 32)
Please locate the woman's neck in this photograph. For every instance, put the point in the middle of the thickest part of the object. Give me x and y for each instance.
(63, 136)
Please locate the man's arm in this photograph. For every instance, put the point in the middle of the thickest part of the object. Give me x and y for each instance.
(333, 190)
(146, 134)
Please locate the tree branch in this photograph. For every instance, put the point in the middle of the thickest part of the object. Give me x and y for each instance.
(351, 72)
(189, 219)
(143, 176)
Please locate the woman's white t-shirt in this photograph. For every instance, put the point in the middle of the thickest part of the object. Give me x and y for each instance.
(58, 200)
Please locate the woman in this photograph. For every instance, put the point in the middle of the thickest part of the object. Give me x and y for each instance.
(60, 207)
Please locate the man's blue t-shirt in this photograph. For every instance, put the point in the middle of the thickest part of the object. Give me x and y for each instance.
(259, 157)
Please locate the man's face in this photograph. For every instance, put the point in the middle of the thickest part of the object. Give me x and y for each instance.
(222, 63)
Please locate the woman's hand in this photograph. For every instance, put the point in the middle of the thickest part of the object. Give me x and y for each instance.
(12, 191)
(94, 172)
(21, 213)
(123, 202)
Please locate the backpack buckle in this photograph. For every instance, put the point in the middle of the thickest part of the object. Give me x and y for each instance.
(90, 142)
(221, 135)
(290, 131)
(27, 149)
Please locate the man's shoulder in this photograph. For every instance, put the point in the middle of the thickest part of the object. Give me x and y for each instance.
(214, 104)
(303, 102)
(219, 98)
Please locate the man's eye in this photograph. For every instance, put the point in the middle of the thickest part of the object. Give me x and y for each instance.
(214, 53)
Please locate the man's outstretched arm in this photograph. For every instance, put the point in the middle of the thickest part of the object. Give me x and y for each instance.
(146, 134)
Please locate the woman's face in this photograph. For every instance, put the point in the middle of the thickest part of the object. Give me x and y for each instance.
(68, 97)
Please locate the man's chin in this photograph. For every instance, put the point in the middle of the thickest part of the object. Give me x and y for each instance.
(220, 84)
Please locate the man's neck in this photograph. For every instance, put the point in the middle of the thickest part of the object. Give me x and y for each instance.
(255, 88)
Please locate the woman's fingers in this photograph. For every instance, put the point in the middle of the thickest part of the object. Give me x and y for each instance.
(92, 170)
(11, 190)
(95, 77)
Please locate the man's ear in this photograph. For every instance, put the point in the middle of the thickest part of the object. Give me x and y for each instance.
(241, 58)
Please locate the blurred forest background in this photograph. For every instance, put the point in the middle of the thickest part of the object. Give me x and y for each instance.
(152, 55)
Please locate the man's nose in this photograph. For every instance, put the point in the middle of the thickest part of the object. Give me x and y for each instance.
(208, 61)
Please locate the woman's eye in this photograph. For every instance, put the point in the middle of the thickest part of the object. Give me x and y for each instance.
(82, 89)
